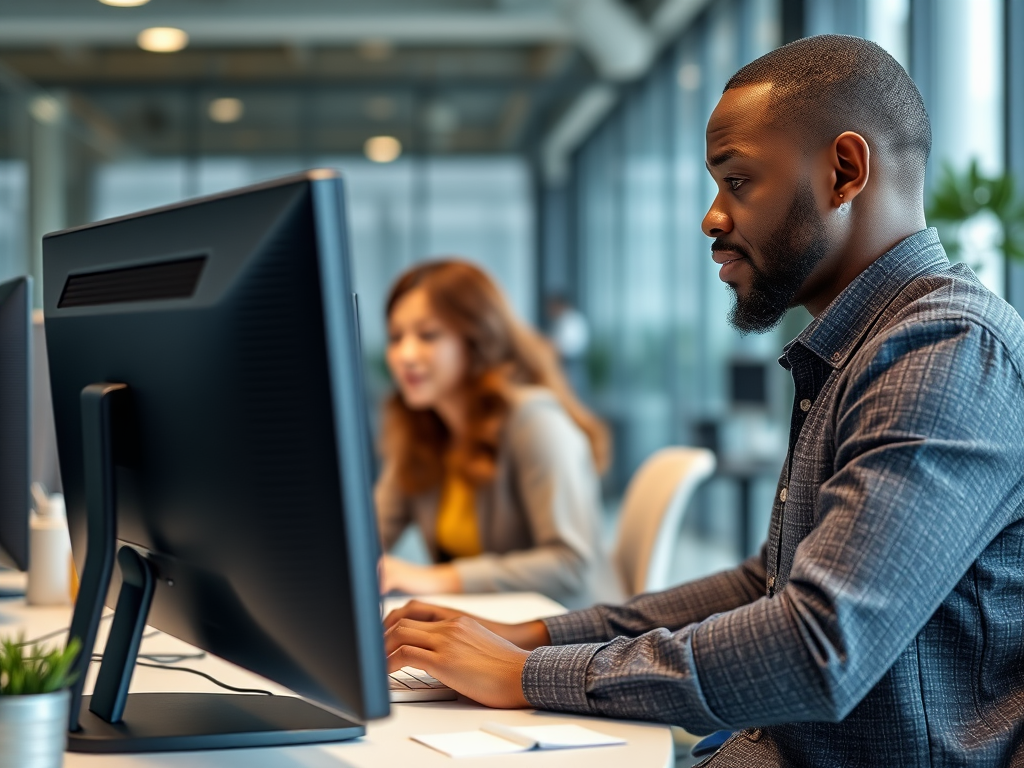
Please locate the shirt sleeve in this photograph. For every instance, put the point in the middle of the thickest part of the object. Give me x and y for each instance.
(673, 609)
(928, 470)
(393, 509)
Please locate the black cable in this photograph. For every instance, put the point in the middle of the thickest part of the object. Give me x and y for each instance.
(211, 678)
(162, 660)
(170, 658)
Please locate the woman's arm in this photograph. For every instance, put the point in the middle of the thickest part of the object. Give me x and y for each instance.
(393, 508)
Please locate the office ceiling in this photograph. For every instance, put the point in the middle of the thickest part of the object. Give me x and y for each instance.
(313, 76)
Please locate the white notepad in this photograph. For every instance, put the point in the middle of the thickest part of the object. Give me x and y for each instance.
(498, 739)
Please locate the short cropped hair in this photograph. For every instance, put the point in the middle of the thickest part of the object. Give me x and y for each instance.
(828, 84)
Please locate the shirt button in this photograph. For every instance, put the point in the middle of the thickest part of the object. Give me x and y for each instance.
(771, 583)
(835, 357)
(754, 734)
(782, 495)
(805, 405)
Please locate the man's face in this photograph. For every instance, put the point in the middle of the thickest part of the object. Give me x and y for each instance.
(768, 228)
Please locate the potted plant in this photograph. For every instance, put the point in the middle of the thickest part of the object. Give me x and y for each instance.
(34, 701)
(960, 197)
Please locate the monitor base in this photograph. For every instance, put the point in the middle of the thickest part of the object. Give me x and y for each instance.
(170, 722)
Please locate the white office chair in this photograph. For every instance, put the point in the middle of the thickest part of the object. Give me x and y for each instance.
(652, 513)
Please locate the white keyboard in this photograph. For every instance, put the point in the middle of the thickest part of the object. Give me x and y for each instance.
(411, 684)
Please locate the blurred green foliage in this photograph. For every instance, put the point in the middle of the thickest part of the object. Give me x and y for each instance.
(25, 671)
(958, 196)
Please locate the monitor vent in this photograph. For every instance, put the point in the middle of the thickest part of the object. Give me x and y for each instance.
(166, 280)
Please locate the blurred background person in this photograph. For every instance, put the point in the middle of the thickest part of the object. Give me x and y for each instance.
(486, 448)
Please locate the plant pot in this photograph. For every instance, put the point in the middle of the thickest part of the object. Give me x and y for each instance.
(33, 730)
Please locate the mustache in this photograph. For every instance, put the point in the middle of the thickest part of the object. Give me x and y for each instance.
(721, 245)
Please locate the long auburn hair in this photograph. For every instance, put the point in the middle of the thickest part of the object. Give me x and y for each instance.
(501, 351)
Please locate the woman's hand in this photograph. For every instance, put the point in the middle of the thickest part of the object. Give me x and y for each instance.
(527, 636)
(401, 576)
(463, 655)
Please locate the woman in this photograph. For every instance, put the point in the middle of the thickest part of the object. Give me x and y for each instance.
(485, 448)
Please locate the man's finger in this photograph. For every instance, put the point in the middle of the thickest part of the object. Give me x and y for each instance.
(408, 632)
(417, 611)
(411, 656)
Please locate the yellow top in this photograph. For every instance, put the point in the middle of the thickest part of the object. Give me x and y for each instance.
(457, 531)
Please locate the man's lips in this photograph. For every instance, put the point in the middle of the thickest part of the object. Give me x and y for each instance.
(724, 257)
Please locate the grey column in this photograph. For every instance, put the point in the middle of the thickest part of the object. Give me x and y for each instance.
(47, 172)
(1014, 84)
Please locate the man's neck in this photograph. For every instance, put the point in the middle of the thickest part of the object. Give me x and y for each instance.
(866, 244)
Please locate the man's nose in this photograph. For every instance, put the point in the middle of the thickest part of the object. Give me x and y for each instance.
(716, 221)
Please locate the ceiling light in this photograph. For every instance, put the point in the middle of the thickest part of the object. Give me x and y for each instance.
(124, 3)
(382, 149)
(45, 109)
(226, 110)
(162, 39)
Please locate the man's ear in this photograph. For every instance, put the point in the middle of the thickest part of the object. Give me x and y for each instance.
(851, 160)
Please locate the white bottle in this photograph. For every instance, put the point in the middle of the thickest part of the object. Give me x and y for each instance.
(49, 556)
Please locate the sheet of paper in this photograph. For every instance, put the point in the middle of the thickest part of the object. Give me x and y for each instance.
(552, 736)
(469, 744)
(500, 739)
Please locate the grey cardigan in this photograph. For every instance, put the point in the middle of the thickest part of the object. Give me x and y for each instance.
(538, 519)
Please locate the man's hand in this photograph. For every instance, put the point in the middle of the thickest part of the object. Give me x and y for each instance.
(461, 654)
(398, 575)
(528, 635)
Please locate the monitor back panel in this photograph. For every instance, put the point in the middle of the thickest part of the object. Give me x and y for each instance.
(229, 469)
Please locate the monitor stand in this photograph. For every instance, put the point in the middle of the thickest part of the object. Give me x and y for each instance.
(113, 719)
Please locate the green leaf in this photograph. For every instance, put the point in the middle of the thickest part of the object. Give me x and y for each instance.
(37, 669)
(957, 196)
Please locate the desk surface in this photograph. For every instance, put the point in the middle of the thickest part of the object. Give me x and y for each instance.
(387, 742)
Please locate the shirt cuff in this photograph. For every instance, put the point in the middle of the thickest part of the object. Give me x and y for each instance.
(556, 677)
(586, 626)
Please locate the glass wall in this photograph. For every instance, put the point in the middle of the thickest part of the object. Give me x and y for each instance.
(662, 349)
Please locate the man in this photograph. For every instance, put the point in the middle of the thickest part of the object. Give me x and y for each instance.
(882, 623)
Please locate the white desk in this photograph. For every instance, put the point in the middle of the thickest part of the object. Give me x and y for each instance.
(387, 742)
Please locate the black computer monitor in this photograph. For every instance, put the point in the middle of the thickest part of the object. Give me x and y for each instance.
(15, 419)
(211, 425)
(748, 384)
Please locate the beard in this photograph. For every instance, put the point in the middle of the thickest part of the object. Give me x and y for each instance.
(789, 256)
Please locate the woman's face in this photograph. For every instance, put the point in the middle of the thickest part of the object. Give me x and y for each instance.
(426, 358)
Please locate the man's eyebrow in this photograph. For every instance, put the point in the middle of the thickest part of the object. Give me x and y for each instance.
(721, 157)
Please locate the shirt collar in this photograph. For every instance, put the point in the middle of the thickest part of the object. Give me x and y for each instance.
(835, 332)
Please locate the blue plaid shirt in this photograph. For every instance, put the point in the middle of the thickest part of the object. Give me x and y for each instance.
(882, 623)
